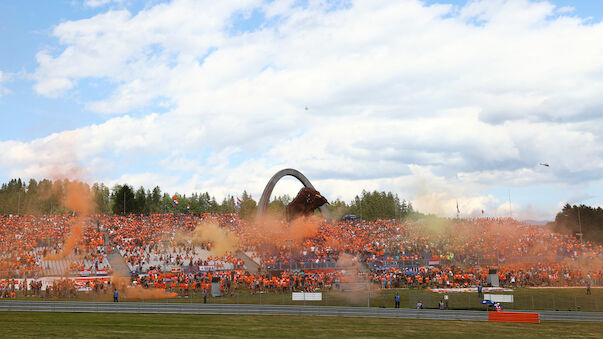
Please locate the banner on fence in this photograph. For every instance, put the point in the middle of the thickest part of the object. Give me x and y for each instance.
(85, 273)
(499, 298)
(469, 289)
(301, 296)
(81, 282)
(207, 268)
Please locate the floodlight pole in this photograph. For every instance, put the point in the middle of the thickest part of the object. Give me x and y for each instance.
(290, 241)
(510, 208)
(580, 224)
(360, 208)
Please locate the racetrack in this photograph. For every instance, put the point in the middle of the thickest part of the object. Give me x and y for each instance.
(255, 309)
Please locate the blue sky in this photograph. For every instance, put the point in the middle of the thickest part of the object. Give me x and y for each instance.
(211, 96)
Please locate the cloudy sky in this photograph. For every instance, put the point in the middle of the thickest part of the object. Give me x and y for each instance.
(436, 100)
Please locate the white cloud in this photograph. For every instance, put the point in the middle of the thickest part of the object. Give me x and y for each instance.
(99, 3)
(469, 99)
(3, 78)
(565, 9)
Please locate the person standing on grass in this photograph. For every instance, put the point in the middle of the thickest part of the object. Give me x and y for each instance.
(588, 287)
(397, 300)
(115, 296)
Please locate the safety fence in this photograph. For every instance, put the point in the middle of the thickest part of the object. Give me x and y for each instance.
(247, 309)
(524, 299)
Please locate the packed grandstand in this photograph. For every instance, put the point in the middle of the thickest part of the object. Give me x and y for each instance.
(162, 251)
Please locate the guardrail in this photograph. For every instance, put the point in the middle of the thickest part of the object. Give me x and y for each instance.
(253, 309)
(178, 308)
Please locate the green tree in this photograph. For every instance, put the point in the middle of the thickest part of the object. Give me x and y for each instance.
(248, 207)
(166, 203)
(228, 205)
(277, 208)
(379, 205)
(46, 200)
(155, 200)
(140, 201)
(214, 207)
(573, 218)
(102, 197)
(204, 202)
(123, 200)
(337, 209)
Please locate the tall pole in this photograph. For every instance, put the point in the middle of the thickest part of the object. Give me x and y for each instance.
(290, 241)
(580, 224)
(510, 208)
(124, 202)
(360, 208)
(19, 203)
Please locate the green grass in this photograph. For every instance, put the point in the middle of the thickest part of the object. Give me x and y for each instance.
(525, 299)
(86, 325)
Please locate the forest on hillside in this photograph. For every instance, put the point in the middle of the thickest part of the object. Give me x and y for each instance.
(576, 219)
(47, 197)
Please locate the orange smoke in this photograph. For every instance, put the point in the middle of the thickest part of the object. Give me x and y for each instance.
(587, 261)
(350, 269)
(136, 292)
(221, 240)
(354, 286)
(79, 199)
(273, 230)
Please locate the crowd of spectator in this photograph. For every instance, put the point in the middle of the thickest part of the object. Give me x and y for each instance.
(161, 252)
(27, 242)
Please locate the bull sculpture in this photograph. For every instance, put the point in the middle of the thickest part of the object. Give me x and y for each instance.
(304, 204)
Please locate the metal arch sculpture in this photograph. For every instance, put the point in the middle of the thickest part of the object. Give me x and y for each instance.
(265, 199)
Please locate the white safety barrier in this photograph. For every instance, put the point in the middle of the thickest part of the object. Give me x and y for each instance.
(302, 296)
(499, 298)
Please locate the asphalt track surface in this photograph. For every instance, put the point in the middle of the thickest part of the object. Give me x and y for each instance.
(254, 309)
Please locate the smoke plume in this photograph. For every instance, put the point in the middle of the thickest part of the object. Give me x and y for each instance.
(275, 231)
(136, 292)
(221, 241)
(79, 199)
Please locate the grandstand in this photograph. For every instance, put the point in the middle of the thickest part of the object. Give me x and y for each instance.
(163, 251)
(172, 259)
